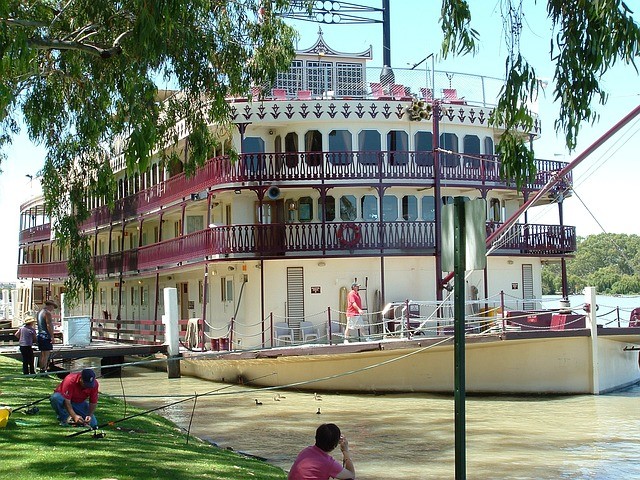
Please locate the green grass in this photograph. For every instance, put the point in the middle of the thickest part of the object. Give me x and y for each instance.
(148, 446)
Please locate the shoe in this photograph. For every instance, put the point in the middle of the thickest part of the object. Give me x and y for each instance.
(64, 424)
(345, 342)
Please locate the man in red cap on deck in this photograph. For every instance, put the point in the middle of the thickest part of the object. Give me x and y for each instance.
(69, 400)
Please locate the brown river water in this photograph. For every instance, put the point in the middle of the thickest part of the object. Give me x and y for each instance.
(409, 436)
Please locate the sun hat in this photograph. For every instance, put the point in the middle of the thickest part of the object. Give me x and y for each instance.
(29, 319)
(355, 284)
(88, 378)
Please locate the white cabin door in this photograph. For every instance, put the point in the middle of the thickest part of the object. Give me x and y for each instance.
(527, 287)
(295, 298)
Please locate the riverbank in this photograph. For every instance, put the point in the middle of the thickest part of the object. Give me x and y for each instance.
(147, 446)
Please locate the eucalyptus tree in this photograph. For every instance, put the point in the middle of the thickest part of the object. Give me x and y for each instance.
(79, 73)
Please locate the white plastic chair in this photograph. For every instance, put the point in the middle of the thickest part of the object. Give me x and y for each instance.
(282, 334)
(308, 331)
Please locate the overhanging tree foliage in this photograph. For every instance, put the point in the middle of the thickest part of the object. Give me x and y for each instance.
(588, 38)
(80, 73)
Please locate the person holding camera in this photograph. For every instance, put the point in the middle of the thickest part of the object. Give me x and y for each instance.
(315, 463)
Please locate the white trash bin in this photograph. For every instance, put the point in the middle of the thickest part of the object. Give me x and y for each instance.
(76, 331)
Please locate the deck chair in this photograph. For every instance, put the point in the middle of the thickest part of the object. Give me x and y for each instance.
(304, 95)
(427, 94)
(399, 92)
(282, 334)
(336, 335)
(256, 93)
(279, 93)
(450, 95)
(308, 332)
(376, 90)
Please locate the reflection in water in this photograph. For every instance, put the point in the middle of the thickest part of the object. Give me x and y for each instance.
(410, 436)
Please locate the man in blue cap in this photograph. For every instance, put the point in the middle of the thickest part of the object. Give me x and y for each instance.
(76, 398)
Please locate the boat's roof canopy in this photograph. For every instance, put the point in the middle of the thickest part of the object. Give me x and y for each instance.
(321, 49)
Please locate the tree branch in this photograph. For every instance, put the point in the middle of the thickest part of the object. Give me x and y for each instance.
(22, 23)
(102, 52)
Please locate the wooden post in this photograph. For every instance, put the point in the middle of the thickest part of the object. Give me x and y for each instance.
(171, 332)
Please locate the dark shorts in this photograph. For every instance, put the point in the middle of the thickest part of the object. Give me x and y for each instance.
(44, 343)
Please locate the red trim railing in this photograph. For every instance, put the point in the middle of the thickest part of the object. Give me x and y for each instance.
(36, 234)
(327, 167)
(334, 238)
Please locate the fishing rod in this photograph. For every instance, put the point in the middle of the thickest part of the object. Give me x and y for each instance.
(113, 422)
(31, 411)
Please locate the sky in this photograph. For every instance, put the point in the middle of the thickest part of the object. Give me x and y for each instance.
(605, 184)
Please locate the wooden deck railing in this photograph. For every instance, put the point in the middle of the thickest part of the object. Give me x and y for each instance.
(311, 239)
(36, 234)
(330, 168)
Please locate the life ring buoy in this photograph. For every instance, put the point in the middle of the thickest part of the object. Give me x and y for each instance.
(349, 234)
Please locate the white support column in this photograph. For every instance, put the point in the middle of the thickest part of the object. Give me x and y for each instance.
(590, 298)
(171, 331)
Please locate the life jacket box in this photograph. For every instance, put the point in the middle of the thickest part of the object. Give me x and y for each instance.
(76, 331)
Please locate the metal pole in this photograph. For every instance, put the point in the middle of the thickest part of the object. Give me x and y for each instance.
(386, 33)
(459, 331)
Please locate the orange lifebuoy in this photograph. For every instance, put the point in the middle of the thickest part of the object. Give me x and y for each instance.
(349, 234)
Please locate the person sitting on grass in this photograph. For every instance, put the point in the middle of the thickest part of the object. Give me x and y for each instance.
(76, 398)
(315, 463)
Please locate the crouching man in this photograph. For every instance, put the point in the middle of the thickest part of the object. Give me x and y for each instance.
(76, 398)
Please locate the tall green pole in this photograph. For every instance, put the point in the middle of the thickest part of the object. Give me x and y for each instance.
(459, 261)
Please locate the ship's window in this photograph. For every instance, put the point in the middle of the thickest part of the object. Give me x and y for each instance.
(144, 296)
(195, 223)
(488, 146)
(409, 208)
(349, 79)
(177, 228)
(398, 146)
(253, 150)
(291, 80)
(389, 208)
(329, 210)
(291, 149)
(424, 149)
(369, 146)
(319, 77)
(495, 210)
(134, 296)
(429, 208)
(277, 147)
(226, 289)
(103, 296)
(292, 208)
(114, 296)
(305, 209)
(340, 143)
(348, 208)
(369, 208)
(449, 141)
(471, 145)
(313, 143)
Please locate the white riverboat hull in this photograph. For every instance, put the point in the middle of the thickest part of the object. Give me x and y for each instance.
(513, 362)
